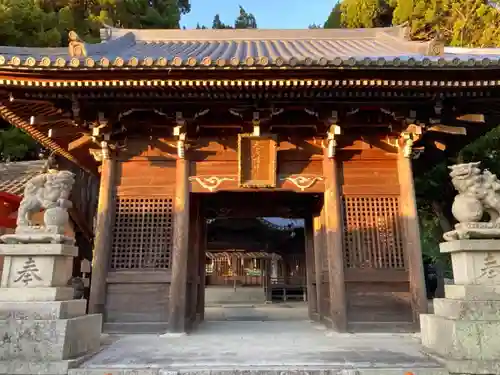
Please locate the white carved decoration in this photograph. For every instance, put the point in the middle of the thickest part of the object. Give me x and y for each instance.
(478, 193)
(303, 182)
(211, 183)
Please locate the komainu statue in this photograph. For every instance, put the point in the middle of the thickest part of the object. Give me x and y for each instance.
(477, 205)
(49, 192)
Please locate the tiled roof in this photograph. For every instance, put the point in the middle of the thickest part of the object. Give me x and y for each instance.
(255, 48)
(15, 175)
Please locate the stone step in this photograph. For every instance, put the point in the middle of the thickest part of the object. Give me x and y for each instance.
(341, 369)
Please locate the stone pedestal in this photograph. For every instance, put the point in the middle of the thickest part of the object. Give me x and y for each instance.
(464, 330)
(42, 329)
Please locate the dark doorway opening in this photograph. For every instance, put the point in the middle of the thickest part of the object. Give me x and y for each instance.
(255, 255)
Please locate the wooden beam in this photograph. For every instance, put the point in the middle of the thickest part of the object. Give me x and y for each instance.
(472, 117)
(412, 245)
(103, 235)
(312, 303)
(456, 130)
(177, 303)
(80, 142)
(334, 243)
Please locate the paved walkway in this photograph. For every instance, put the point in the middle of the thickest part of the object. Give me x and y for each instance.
(234, 347)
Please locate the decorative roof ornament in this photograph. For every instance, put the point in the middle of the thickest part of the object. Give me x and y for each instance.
(76, 47)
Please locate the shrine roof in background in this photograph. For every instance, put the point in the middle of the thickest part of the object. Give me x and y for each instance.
(15, 175)
(252, 49)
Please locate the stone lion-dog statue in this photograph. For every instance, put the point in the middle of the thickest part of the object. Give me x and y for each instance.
(478, 194)
(49, 192)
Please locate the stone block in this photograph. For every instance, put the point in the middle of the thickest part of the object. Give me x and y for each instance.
(36, 265)
(36, 294)
(461, 339)
(473, 367)
(43, 310)
(22, 367)
(467, 310)
(474, 261)
(473, 292)
(49, 340)
(38, 249)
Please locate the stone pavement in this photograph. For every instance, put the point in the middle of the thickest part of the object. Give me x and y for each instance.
(256, 347)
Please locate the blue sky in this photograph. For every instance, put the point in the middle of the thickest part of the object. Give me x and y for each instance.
(270, 14)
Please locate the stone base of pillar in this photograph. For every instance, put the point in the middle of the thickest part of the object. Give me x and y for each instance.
(42, 331)
(464, 331)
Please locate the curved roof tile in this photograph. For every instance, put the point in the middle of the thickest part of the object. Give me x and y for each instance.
(145, 49)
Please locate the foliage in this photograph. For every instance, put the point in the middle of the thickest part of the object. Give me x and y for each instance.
(334, 20)
(485, 149)
(243, 21)
(46, 23)
(467, 23)
(218, 24)
(15, 145)
(365, 13)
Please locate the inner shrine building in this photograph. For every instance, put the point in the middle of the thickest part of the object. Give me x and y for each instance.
(185, 126)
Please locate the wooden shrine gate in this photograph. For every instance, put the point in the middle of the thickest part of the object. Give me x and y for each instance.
(360, 268)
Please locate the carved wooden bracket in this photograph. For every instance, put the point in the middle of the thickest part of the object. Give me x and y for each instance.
(101, 154)
(256, 124)
(211, 183)
(408, 138)
(303, 182)
(180, 133)
(331, 140)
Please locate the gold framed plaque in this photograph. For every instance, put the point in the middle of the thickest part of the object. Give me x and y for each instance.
(257, 161)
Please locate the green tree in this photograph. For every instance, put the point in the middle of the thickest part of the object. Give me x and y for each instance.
(245, 20)
(334, 20)
(25, 23)
(141, 14)
(218, 24)
(366, 13)
(15, 144)
(461, 23)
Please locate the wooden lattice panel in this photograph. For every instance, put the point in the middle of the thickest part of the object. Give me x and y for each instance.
(142, 236)
(373, 233)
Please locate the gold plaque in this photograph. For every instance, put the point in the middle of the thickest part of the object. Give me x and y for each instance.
(257, 161)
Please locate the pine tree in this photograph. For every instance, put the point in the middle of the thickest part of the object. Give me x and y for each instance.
(245, 20)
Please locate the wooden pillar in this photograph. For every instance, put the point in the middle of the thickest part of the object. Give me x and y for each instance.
(202, 243)
(267, 280)
(413, 247)
(334, 243)
(312, 303)
(103, 235)
(177, 302)
(319, 244)
(193, 262)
